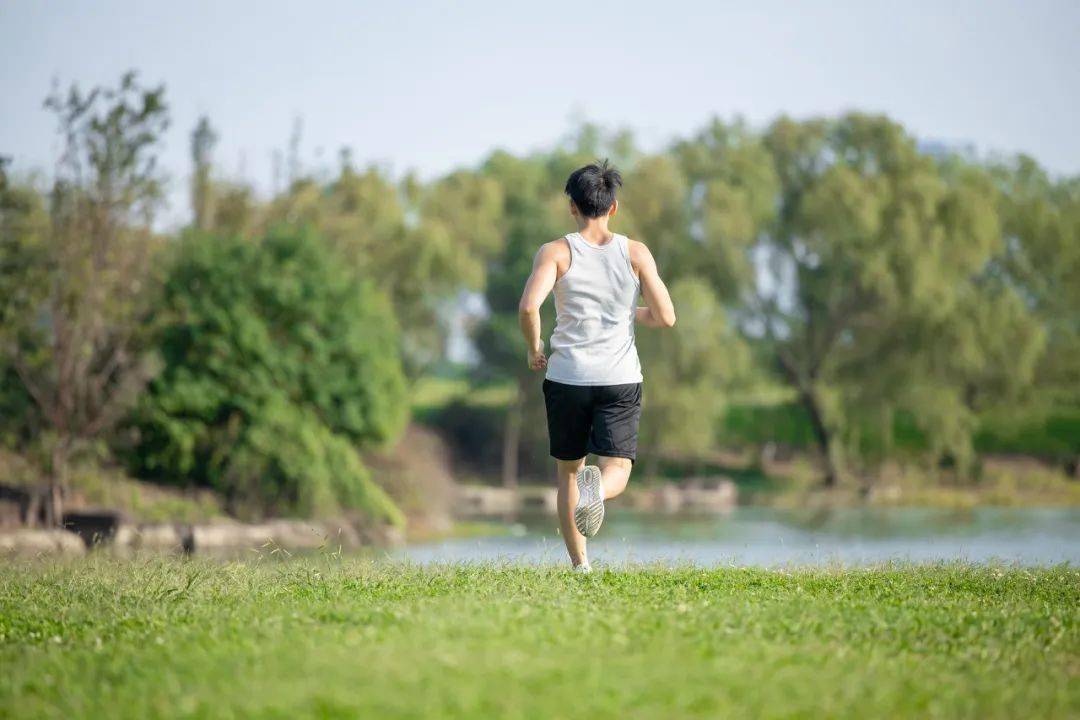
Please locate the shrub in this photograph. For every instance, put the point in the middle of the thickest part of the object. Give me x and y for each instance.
(276, 363)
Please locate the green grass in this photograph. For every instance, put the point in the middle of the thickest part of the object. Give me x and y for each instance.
(320, 637)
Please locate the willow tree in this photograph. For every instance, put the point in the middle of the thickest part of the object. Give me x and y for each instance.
(888, 263)
(1041, 262)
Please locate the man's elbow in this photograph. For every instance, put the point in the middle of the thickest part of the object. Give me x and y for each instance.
(527, 308)
(668, 319)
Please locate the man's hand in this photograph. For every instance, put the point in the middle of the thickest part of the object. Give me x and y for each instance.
(537, 358)
(538, 286)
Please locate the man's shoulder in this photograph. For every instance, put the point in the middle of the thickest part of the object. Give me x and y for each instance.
(637, 249)
(555, 249)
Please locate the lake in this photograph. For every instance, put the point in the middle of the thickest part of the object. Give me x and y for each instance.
(754, 536)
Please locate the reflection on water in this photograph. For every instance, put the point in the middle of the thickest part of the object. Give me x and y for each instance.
(767, 537)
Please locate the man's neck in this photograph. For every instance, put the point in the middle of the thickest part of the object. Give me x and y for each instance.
(595, 230)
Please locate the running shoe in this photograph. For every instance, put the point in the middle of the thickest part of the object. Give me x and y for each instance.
(589, 513)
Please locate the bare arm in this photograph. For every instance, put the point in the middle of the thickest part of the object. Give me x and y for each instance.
(659, 311)
(644, 316)
(539, 284)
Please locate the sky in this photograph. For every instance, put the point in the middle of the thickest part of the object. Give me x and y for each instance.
(431, 86)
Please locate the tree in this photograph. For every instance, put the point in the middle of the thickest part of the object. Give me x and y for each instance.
(887, 259)
(71, 320)
(1041, 265)
(24, 273)
(447, 249)
(653, 208)
(531, 210)
(1041, 260)
(420, 245)
(691, 371)
(732, 201)
(277, 363)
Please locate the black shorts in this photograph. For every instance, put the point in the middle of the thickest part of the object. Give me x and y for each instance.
(598, 419)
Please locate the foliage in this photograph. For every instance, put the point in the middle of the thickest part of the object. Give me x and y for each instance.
(1053, 434)
(881, 282)
(1040, 221)
(288, 461)
(74, 271)
(532, 213)
(893, 303)
(912, 303)
(276, 361)
(691, 369)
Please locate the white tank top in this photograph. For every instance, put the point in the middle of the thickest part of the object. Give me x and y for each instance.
(595, 300)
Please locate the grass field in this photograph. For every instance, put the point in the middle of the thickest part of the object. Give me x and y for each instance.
(323, 637)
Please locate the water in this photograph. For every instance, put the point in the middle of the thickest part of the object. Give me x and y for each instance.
(768, 538)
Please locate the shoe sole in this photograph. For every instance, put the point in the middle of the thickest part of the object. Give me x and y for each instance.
(589, 513)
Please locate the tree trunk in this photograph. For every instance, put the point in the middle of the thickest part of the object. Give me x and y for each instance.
(512, 440)
(823, 436)
(54, 502)
(33, 507)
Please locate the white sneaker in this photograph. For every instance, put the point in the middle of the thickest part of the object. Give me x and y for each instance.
(589, 513)
(584, 568)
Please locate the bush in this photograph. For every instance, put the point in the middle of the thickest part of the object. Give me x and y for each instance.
(1049, 434)
(276, 364)
(1053, 434)
(288, 461)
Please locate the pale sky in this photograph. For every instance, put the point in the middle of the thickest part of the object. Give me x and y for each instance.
(429, 86)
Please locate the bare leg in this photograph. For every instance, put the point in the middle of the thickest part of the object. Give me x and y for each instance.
(615, 473)
(567, 471)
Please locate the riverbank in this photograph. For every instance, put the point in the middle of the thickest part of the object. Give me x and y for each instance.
(112, 533)
(1000, 481)
(323, 638)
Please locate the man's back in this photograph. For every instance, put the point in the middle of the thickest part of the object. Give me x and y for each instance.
(595, 302)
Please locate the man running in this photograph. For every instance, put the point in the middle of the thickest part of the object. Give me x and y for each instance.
(593, 386)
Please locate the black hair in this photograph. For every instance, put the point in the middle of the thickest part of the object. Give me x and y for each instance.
(592, 188)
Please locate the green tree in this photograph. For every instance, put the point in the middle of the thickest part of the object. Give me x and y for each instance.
(1041, 260)
(419, 244)
(24, 277)
(76, 283)
(701, 209)
(653, 207)
(447, 249)
(691, 371)
(890, 303)
(732, 199)
(1041, 265)
(277, 363)
(532, 214)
